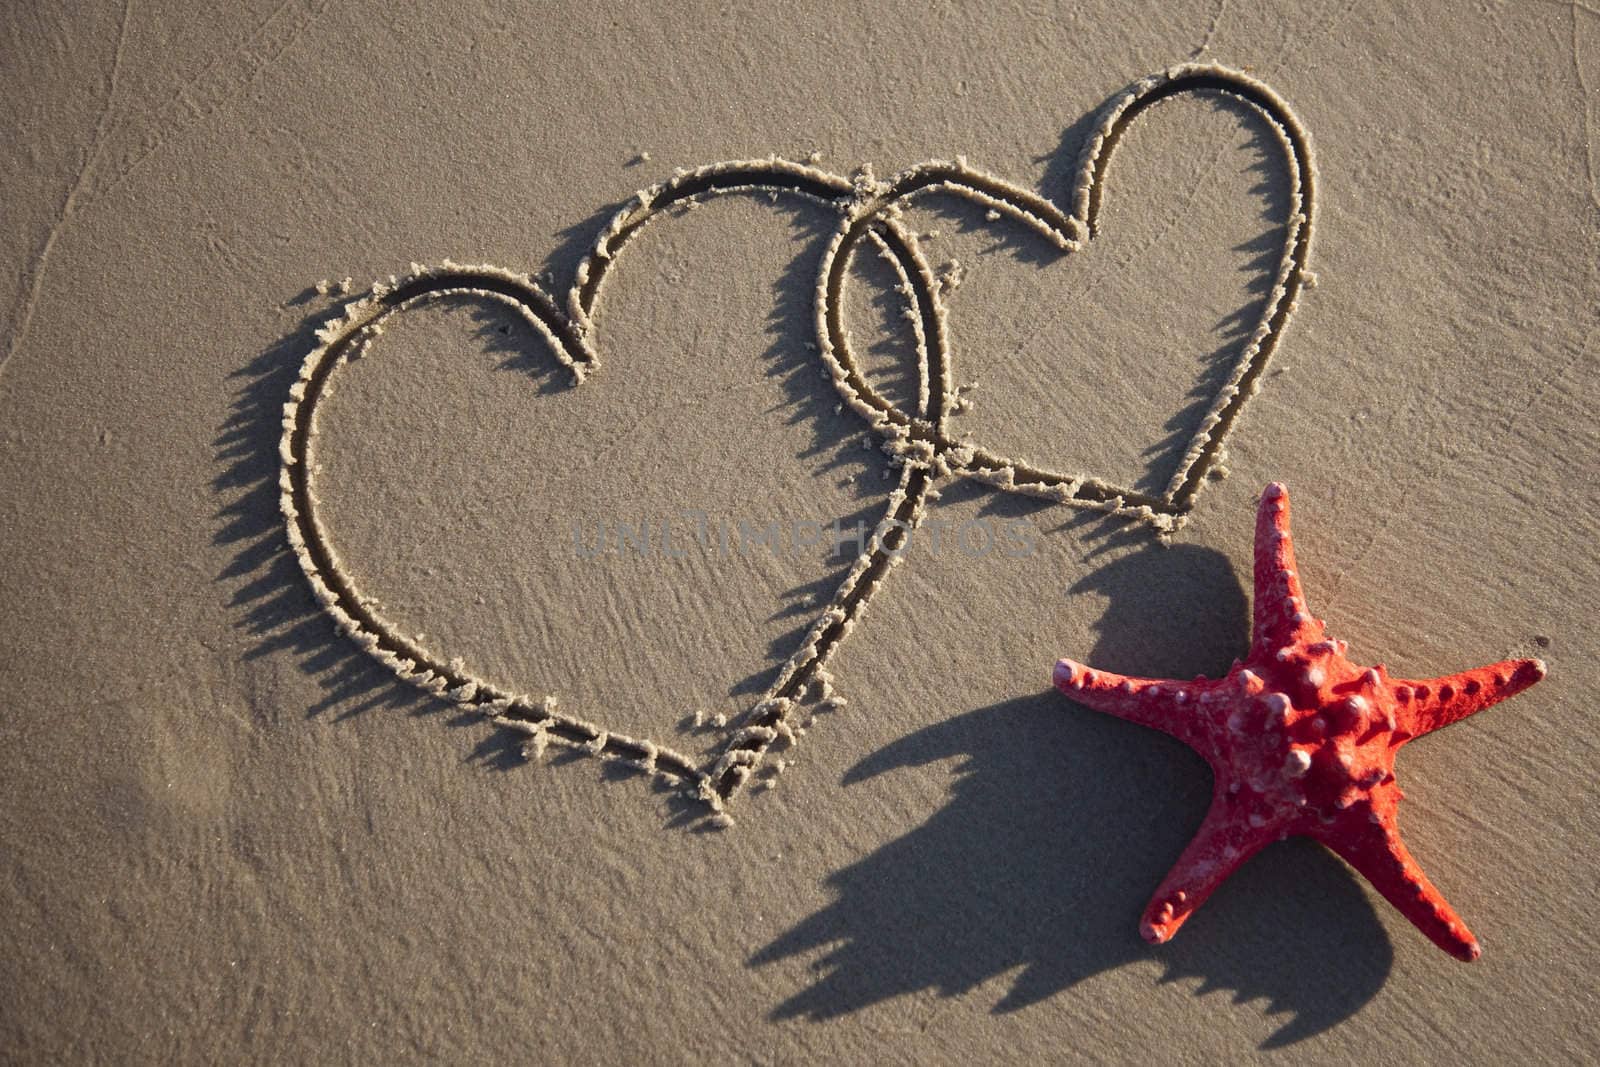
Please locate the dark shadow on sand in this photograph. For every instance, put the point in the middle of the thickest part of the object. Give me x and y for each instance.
(1061, 822)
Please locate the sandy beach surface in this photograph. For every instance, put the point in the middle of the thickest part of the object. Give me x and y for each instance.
(230, 836)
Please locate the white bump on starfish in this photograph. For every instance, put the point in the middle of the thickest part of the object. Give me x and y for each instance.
(1251, 682)
(1301, 618)
(1278, 704)
(1321, 648)
(1314, 677)
(1126, 686)
(1298, 763)
(1371, 678)
(1282, 655)
(1257, 820)
(1179, 696)
(1236, 721)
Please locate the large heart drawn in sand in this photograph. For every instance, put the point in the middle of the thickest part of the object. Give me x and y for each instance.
(868, 210)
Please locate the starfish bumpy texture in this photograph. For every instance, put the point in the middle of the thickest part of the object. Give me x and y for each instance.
(1300, 741)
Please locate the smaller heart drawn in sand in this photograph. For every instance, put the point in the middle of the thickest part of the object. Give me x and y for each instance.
(919, 439)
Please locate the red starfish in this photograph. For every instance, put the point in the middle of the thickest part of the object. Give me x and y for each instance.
(1300, 741)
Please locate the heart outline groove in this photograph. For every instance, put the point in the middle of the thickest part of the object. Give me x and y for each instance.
(918, 441)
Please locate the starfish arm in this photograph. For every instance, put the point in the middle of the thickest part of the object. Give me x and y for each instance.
(1221, 845)
(1168, 706)
(1281, 615)
(1379, 855)
(1428, 705)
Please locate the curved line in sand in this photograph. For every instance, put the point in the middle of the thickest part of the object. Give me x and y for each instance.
(919, 440)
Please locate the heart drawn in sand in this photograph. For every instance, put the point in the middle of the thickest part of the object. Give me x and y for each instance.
(919, 438)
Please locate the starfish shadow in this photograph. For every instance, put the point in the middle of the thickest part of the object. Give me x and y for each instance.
(1059, 825)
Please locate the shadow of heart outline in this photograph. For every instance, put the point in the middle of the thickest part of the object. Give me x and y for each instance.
(918, 440)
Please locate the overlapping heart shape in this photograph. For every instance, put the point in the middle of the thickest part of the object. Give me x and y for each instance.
(920, 439)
